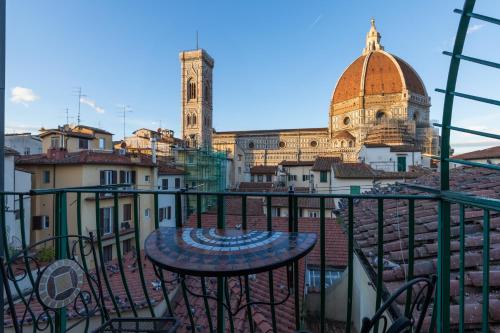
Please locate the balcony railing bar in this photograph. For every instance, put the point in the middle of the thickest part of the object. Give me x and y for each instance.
(411, 251)
(350, 261)
(472, 59)
(461, 286)
(486, 269)
(478, 16)
(469, 96)
(380, 254)
(322, 246)
(469, 131)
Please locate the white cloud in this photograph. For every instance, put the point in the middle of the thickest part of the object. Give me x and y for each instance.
(474, 28)
(92, 104)
(22, 95)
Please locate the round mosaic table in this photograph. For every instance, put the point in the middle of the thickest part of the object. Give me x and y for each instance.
(225, 252)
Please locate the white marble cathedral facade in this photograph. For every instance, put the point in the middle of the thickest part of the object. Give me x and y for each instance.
(379, 99)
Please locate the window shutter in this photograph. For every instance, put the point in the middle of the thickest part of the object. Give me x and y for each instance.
(102, 177)
(133, 177)
(113, 177)
(161, 214)
(122, 177)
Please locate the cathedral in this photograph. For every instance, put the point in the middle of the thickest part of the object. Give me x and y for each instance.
(379, 99)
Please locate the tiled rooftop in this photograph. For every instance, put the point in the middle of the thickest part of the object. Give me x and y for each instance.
(481, 182)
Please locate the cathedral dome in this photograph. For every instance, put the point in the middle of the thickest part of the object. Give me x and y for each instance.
(376, 72)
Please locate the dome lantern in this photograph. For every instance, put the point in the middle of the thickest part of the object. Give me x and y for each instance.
(372, 39)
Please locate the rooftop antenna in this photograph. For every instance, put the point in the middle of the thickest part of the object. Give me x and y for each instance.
(197, 39)
(67, 115)
(78, 92)
(124, 110)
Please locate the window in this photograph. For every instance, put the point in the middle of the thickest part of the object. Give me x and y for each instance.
(314, 273)
(380, 115)
(251, 145)
(83, 143)
(102, 143)
(276, 212)
(269, 178)
(260, 178)
(177, 183)
(193, 120)
(147, 212)
(313, 213)
(323, 176)
(164, 184)
(40, 222)
(314, 143)
(162, 213)
(207, 92)
(292, 178)
(106, 220)
(127, 245)
(191, 89)
(55, 142)
(169, 213)
(127, 177)
(147, 178)
(305, 178)
(107, 253)
(127, 212)
(240, 157)
(46, 176)
(188, 120)
(347, 121)
(108, 177)
(281, 144)
(26, 150)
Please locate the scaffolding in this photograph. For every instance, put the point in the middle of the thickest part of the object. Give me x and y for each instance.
(206, 171)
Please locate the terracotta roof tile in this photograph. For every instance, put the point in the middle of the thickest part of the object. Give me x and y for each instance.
(263, 169)
(324, 163)
(493, 152)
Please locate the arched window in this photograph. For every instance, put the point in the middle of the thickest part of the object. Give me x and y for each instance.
(191, 89)
(380, 115)
(188, 120)
(193, 120)
(350, 143)
(342, 144)
(415, 116)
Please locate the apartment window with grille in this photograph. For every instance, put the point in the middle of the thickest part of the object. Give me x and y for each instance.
(269, 178)
(147, 178)
(276, 212)
(83, 143)
(46, 176)
(164, 184)
(292, 178)
(127, 246)
(305, 178)
(147, 212)
(108, 177)
(106, 220)
(313, 213)
(127, 177)
(169, 212)
(107, 253)
(127, 212)
(323, 176)
(313, 276)
(260, 178)
(177, 183)
(55, 142)
(102, 143)
(26, 150)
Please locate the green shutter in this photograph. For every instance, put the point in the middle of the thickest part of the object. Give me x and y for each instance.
(355, 189)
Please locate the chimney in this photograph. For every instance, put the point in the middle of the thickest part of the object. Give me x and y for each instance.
(56, 153)
(153, 149)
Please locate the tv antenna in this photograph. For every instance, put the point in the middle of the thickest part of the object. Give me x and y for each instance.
(78, 92)
(66, 110)
(124, 110)
(197, 39)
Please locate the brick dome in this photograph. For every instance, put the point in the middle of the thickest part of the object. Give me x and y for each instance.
(376, 72)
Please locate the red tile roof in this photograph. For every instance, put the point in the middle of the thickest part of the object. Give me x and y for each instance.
(493, 152)
(164, 170)
(296, 163)
(474, 181)
(263, 169)
(324, 163)
(83, 157)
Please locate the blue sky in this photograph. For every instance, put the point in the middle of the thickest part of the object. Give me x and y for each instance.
(276, 62)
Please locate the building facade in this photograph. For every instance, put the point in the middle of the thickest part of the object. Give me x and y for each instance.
(24, 143)
(379, 99)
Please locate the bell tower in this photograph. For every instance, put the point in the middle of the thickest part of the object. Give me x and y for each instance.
(196, 94)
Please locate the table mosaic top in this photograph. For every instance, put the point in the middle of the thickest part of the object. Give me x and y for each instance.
(225, 252)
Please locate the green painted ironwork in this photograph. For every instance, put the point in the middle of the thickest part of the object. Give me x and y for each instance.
(411, 251)
(350, 261)
(322, 245)
(486, 271)
(380, 255)
(461, 281)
